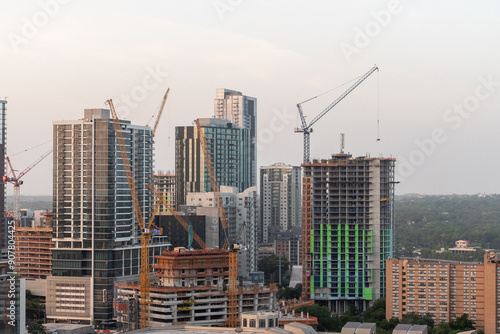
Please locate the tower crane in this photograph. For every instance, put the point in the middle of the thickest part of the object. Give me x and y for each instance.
(233, 256)
(213, 182)
(160, 111)
(17, 182)
(146, 231)
(177, 216)
(307, 128)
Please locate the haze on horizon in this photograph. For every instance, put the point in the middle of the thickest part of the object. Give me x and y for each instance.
(437, 94)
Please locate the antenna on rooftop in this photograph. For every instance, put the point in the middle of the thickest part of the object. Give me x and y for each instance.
(342, 142)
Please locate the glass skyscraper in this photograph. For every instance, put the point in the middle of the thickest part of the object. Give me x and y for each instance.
(242, 111)
(97, 237)
(229, 147)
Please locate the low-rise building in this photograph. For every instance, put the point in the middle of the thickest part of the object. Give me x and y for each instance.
(462, 246)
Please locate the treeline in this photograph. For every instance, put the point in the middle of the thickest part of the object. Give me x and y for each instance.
(376, 314)
(436, 222)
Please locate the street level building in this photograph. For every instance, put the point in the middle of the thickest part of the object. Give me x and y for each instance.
(347, 226)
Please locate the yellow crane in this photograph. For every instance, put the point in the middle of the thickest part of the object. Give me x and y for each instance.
(180, 219)
(233, 256)
(213, 181)
(160, 111)
(146, 231)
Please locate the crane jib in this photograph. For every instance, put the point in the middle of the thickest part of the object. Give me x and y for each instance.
(306, 128)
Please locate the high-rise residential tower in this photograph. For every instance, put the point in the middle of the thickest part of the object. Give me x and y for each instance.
(95, 230)
(347, 226)
(241, 110)
(229, 147)
(280, 198)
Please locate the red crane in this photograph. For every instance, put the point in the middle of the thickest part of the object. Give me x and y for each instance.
(16, 181)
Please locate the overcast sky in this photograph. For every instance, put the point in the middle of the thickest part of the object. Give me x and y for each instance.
(437, 94)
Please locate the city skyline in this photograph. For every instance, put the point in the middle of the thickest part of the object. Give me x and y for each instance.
(438, 82)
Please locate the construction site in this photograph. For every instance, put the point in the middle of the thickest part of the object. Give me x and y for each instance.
(348, 207)
(191, 287)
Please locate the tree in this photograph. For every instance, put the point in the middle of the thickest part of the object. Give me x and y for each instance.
(417, 319)
(35, 309)
(376, 313)
(326, 321)
(462, 323)
(270, 266)
(290, 293)
(36, 329)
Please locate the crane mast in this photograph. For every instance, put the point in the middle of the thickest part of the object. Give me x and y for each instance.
(213, 182)
(16, 181)
(146, 232)
(307, 128)
(177, 216)
(233, 256)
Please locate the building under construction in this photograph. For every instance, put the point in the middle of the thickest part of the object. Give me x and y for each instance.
(164, 182)
(191, 287)
(33, 252)
(347, 226)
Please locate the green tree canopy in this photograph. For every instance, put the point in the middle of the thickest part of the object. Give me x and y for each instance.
(270, 266)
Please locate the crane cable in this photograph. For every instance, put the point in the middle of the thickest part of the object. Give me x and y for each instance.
(328, 91)
(29, 149)
(378, 106)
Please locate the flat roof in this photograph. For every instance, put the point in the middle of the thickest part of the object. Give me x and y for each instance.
(65, 326)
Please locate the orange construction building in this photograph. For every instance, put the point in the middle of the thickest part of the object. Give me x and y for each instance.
(446, 290)
(191, 287)
(190, 268)
(33, 252)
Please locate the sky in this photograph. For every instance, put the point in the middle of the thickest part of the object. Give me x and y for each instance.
(434, 103)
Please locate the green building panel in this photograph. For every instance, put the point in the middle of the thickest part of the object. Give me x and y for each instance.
(368, 293)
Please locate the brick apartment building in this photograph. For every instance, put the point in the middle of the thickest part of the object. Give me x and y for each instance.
(446, 290)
